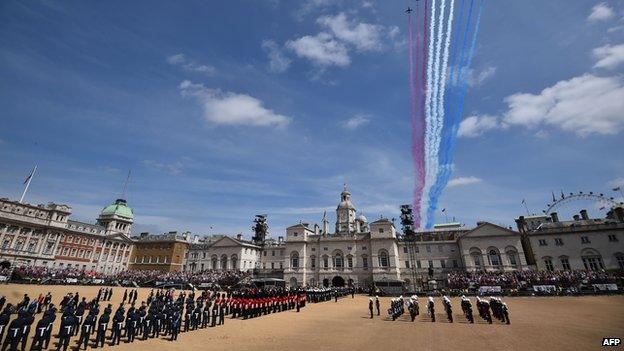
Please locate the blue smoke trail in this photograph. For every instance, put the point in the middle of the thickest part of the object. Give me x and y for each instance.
(443, 155)
(450, 133)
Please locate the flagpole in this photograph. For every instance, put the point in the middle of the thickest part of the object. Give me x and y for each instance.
(28, 183)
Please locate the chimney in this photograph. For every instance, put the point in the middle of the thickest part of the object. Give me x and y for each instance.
(196, 239)
(577, 217)
(239, 236)
(554, 216)
(584, 214)
(280, 239)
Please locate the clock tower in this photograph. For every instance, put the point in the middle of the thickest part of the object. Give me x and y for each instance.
(345, 214)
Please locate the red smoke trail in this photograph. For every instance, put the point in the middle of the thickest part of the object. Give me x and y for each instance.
(416, 63)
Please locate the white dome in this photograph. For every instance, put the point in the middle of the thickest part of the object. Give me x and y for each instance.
(362, 218)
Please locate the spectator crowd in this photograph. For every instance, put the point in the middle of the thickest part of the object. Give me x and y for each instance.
(520, 279)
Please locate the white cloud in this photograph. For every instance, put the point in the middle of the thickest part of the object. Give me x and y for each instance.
(461, 181)
(227, 108)
(474, 126)
(618, 182)
(609, 56)
(355, 122)
(364, 36)
(584, 105)
(601, 12)
(322, 49)
(477, 79)
(189, 65)
(171, 168)
(278, 63)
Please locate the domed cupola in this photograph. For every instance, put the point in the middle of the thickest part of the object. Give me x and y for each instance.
(117, 217)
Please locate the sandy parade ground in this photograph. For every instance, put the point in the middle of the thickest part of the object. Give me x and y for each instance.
(547, 323)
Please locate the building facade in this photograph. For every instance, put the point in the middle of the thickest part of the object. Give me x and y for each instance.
(164, 252)
(582, 243)
(43, 235)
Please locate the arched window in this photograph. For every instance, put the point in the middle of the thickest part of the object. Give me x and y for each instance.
(494, 257)
(294, 259)
(338, 260)
(619, 258)
(383, 259)
(565, 262)
(234, 259)
(548, 263)
(313, 262)
(349, 261)
(224, 262)
(512, 256)
(592, 260)
(475, 253)
(325, 262)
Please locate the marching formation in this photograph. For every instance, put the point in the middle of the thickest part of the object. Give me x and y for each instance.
(164, 313)
(494, 307)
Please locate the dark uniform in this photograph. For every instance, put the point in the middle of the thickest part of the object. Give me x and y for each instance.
(88, 326)
(101, 329)
(118, 320)
(14, 334)
(68, 323)
(431, 309)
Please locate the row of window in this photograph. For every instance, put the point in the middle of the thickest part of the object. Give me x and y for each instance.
(591, 263)
(73, 252)
(443, 264)
(151, 259)
(584, 240)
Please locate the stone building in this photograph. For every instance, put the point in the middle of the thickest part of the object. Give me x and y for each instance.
(163, 252)
(582, 243)
(43, 235)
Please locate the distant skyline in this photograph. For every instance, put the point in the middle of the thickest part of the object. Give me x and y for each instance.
(226, 110)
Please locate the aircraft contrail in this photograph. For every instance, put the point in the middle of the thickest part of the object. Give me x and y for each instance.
(446, 155)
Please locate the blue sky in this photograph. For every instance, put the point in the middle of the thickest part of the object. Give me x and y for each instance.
(225, 110)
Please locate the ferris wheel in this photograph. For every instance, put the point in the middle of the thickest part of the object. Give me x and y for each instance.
(602, 200)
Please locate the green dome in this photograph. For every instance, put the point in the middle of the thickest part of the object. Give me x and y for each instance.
(119, 208)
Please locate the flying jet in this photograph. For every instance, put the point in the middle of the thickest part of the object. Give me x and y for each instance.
(409, 10)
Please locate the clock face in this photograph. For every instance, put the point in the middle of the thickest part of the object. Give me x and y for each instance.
(342, 217)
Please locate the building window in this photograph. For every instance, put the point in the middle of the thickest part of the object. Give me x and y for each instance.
(512, 258)
(585, 240)
(383, 259)
(65, 251)
(407, 264)
(443, 263)
(404, 249)
(620, 260)
(477, 260)
(558, 241)
(272, 265)
(381, 230)
(542, 242)
(440, 248)
(273, 253)
(593, 263)
(549, 265)
(313, 262)
(313, 249)
(350, 261)
(294, 259)
(363, 247)
(428, 248)
(565, 263)
(418, 264)
(613, 238)
(365, 262)
(325, 262)
(455, 264)
(416, 249)
(494, 258)
(338, 261)
(430, 263)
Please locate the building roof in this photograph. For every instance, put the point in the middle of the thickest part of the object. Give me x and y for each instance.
(119, 208)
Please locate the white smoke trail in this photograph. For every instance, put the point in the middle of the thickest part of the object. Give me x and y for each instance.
(428, 110)
(433, 129)
(442, 83)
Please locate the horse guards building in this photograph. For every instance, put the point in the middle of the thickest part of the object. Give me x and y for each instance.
(354, 252)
